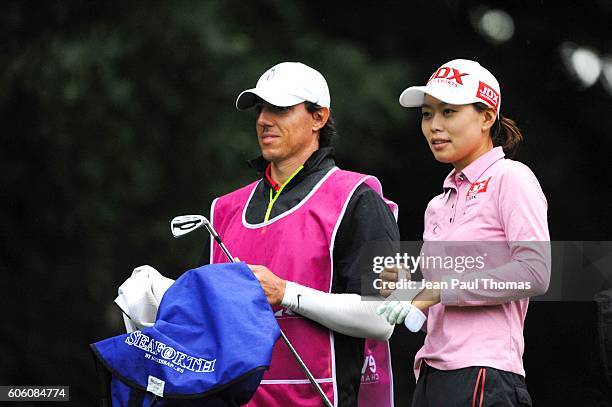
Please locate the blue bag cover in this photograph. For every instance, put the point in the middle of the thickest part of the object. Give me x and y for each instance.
(214, 331)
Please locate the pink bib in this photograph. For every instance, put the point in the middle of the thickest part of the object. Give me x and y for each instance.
(297, 246)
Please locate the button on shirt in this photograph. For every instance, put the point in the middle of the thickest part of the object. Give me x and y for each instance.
(494, 199)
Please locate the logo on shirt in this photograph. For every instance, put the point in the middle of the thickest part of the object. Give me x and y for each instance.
(478, 188)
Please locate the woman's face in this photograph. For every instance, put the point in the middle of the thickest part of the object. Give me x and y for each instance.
(457, 134)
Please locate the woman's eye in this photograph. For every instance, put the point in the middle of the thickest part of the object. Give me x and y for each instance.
(448, 112)
(425, 115)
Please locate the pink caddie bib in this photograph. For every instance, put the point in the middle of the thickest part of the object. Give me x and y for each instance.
(298, 246)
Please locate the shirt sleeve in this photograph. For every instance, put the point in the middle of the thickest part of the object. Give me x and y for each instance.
(523, 215)
(349, 314)
(368, 227)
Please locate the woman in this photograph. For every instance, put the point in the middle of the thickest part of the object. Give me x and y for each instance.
(472, 354)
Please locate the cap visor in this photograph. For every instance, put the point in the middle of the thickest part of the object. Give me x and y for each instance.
(248, 98)
(413, 96)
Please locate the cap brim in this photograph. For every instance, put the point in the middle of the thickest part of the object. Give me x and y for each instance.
(249, 97)
(414, 96)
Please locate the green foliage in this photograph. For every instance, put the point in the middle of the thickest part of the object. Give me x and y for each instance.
(121, 116)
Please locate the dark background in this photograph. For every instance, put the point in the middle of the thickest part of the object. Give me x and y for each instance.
(118, 116)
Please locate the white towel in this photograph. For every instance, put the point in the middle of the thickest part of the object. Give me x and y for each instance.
(140, 295)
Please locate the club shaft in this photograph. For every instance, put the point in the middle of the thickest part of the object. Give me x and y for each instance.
(216, 237)
(227, 253)
(297, 357)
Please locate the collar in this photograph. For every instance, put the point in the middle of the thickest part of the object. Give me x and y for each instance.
(473, 171)
(322, 158)
(268, 173)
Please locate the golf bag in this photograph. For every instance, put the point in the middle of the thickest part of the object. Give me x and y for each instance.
(210, 344)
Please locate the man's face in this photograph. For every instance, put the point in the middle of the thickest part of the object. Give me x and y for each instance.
(285, 133)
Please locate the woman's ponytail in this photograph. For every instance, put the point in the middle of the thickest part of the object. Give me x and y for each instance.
(505, 133)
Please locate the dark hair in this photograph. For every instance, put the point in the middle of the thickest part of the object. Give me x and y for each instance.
(327, 132)
(505, 132)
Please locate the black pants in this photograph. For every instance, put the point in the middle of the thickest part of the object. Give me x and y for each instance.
(470, 387)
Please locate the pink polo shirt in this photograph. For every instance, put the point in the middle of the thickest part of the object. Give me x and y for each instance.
(492, 199)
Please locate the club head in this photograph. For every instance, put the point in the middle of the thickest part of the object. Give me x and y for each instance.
(181, 225)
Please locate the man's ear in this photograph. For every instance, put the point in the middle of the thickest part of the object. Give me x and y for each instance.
(320, 117)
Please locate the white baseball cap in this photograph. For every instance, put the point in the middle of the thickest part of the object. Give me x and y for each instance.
(458, 82)
(287, 84)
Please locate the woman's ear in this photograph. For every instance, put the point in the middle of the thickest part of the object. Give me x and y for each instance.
(320, 117)
(489, 117)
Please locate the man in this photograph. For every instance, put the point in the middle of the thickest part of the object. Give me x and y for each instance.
(304, 227)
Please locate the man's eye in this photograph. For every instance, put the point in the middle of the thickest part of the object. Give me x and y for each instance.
(260, 107)
(280, 109)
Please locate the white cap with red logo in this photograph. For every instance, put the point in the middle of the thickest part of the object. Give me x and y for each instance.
(458, 82)
(287, 84)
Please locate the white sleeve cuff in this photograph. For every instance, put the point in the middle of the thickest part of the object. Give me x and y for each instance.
(415, 319)
(290, 299)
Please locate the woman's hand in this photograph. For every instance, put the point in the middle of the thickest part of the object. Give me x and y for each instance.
(426, 298)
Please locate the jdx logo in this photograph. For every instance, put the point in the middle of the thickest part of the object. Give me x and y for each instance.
(449, 74)
(478, 187)
(488, 94)
(368, 370)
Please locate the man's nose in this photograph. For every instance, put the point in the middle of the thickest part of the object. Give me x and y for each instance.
(264, 118)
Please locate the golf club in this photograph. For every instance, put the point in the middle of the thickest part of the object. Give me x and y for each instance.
(181, 225)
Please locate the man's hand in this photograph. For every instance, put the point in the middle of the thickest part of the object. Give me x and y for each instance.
(273, 286)
(391, 275)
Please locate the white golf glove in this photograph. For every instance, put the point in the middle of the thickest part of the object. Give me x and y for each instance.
(396, 312)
